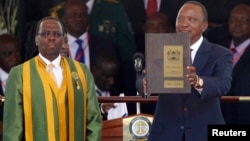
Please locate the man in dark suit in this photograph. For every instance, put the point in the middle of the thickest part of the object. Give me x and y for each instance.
(185, 117)
(239, 28)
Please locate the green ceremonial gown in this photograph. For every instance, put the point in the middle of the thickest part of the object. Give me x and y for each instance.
(37, 110)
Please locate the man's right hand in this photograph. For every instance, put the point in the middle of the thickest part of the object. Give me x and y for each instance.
(107, 106)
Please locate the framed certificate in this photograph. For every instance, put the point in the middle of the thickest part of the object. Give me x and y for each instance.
(167, 55)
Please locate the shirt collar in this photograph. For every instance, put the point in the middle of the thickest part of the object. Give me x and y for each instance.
(90, 4)
(3, 75)
(241, 46)
(72, 39)
(56, 62)
(197, 44)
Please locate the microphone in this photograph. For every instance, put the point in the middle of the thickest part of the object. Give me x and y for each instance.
(138, 59)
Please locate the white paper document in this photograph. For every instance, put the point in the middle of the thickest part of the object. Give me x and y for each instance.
(118, 112)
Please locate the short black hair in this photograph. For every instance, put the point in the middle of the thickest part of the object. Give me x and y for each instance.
(50, 18)
(69, 3)
(203, 8)
(105, 56)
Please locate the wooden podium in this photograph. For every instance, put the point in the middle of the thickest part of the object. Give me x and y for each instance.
(113, 129)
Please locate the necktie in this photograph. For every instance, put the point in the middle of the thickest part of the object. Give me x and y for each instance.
(80, 51)
(151, 7)
(233, 50)
(51, 66)
(236, 56)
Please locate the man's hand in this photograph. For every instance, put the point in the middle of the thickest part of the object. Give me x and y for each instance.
(107, 106)
(192, 76)
(144, 82)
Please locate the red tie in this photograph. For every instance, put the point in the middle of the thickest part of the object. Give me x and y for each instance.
(151, 7)
(233, 50)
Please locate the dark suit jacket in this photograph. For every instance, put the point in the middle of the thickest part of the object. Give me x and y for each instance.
(192, 113)
(239, 112)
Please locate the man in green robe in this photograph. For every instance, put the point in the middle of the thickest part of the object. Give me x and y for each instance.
(39, 108)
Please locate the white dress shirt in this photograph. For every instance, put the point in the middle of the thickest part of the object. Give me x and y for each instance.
(90, 4)
(3, 76)
(195, 48)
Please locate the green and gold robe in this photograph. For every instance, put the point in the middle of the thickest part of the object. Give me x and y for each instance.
(37, 110)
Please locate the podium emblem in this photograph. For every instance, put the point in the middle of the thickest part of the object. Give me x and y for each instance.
(139, 128)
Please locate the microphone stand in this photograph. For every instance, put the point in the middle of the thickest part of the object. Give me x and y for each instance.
(138, 65)
(138, 105)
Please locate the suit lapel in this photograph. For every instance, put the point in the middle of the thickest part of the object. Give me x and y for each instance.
(242, 61)
(201, 56)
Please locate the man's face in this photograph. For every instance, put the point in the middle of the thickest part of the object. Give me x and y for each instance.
(9, 55)
(239, 22)
(65, 48)
(76, 19)
(190, 19)
(157, 24)
(50, 39)
(105, 75)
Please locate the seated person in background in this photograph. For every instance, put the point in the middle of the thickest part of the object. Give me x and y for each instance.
(239, 43)
(9, 57)
(105, 68)
(155, 23)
